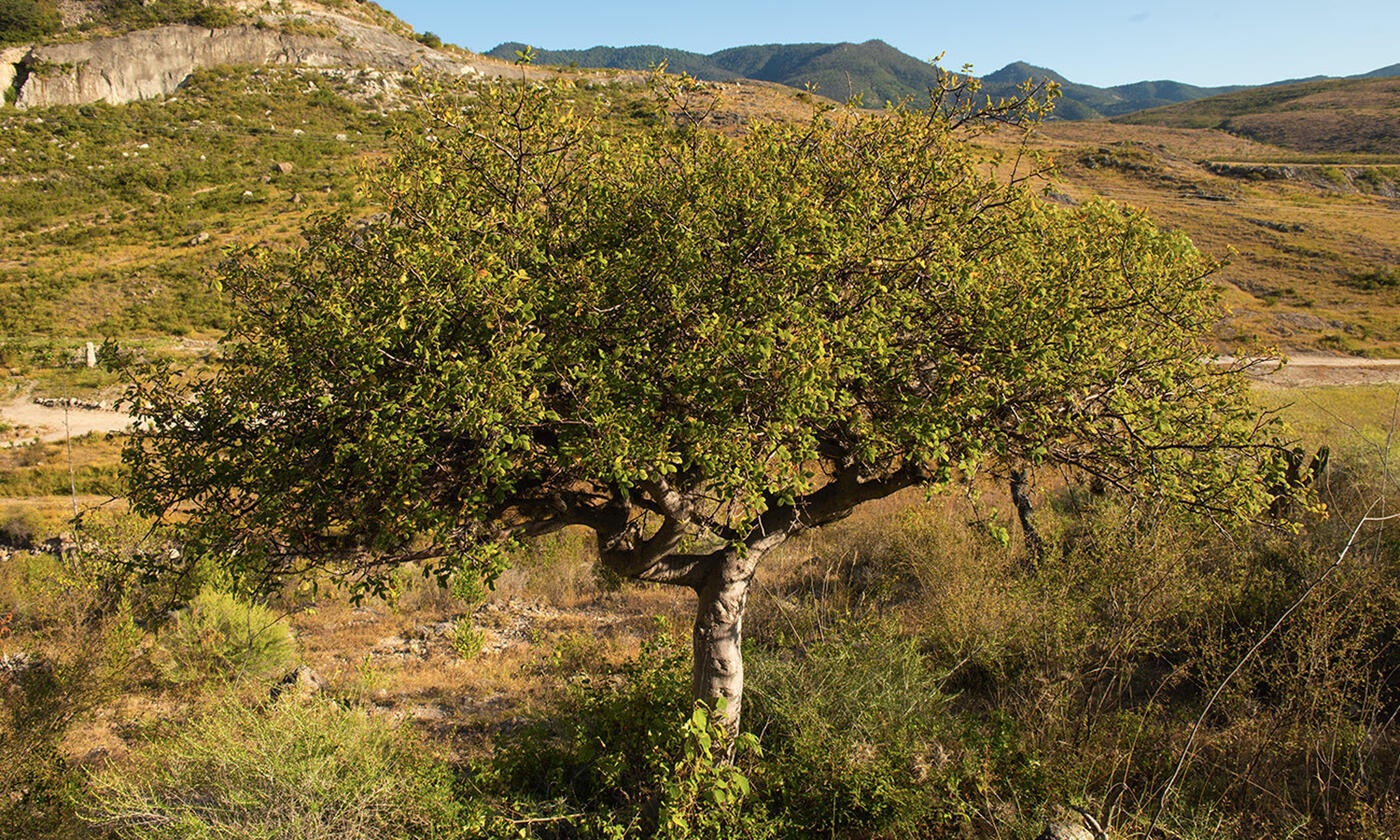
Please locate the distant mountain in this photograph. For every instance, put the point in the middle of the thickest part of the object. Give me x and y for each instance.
(1080, 102)
(876, 72)
(622, 58)
(1384, 72)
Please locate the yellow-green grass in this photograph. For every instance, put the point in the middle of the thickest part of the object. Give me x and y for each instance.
(1309, 252)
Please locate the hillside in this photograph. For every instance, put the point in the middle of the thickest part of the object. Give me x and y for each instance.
(119, 52)
(113, 217)
(915, 670)
(1309, 244)
(873, 70)
(1330, 115)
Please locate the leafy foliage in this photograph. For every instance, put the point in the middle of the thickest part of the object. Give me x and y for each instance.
(624, 753)
(217, 636)
(549, 318)
(68, 641)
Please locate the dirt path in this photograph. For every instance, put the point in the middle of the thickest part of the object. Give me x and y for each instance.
(1314, 369)
(29, 420)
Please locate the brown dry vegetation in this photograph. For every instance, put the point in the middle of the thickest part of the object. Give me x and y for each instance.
(1309, 249)
(1331, 116)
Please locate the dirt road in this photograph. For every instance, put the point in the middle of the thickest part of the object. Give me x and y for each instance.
(1305, 370)
(29, 420)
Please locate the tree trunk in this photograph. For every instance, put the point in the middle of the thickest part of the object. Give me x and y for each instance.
(718, 664)
(1025, 510)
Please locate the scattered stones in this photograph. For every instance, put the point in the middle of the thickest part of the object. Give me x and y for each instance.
(73, 402)
(283, 168)
(427, 713)
(198, 239)
(399, 647)
(60, 546)
(16, 668)
(301, 682)
(504, 625)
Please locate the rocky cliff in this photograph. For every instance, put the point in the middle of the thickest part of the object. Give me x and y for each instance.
(154, 62)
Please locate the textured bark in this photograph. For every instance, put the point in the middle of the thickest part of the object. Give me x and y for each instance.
(717, 669)
(720, 577)
(1025, 511)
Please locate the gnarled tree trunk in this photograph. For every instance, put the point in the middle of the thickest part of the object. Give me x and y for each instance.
(717, 670)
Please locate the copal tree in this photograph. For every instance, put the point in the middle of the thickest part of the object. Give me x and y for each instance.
(692, 345)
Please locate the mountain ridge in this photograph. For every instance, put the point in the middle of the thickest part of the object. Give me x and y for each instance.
(879, 73)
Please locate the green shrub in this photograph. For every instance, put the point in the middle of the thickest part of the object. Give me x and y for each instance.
(613, 730)
(861, 741)
(313, 771)
(64, 650)
(430, 40)
(213, 17)
(24, 20)
(624, 753)
(467, 641)
(219, 636)
(1378, 277)
(19, 527)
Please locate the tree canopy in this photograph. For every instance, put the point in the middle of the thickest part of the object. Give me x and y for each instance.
(694, 345)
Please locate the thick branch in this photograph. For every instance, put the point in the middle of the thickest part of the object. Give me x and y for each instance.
(832, 501)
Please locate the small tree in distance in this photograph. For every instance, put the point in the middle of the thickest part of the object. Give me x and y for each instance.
(692, 345)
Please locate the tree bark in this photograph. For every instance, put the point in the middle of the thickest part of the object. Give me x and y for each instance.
(717, 669)
(1025, 510)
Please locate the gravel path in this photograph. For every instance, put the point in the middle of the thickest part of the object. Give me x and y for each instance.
(1314, 369)
(28, 420)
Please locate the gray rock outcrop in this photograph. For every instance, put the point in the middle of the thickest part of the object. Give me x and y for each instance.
(9, 66)
(155, 62)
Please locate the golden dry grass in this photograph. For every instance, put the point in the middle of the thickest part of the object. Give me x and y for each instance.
(1295, 240)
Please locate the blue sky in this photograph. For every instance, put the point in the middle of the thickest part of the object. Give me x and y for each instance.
(1102, 43)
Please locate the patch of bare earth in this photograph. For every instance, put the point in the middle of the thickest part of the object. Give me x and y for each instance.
(1308, 370)
(409, 662)
(27, 420)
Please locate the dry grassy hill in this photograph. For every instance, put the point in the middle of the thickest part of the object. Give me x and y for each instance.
(1311, 247)
(1332, 116)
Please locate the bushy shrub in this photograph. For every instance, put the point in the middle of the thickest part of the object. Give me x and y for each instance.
(23, 20)
(861, 741)
(65, 648)
(310, 770)
(601, 748)
(624, 753)
(19, 527)
(219, 636)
